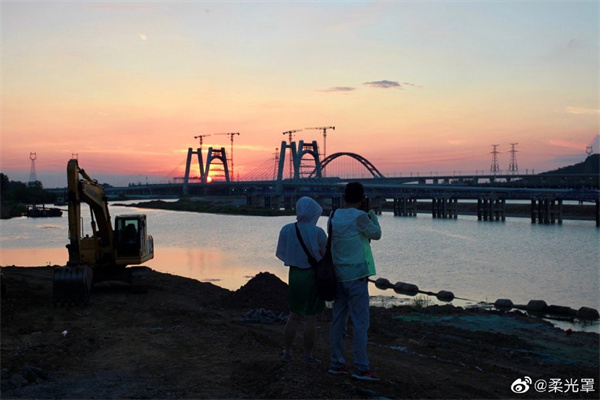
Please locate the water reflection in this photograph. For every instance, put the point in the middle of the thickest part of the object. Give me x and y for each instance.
(38, 257)
(203, 264)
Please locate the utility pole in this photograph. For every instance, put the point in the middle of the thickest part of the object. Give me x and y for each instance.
(289, 133)
(512, 167)
(495, 168)
(231, 135)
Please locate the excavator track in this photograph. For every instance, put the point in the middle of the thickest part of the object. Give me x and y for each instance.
(71, 285)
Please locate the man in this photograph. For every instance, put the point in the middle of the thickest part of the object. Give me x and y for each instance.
(353, 227)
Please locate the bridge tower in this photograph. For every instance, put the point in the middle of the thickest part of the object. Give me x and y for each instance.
(293, 154)
(188, 163)
(311, 149)
(216, 154)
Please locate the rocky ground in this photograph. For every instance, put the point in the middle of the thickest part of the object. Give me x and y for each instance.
(188, 339)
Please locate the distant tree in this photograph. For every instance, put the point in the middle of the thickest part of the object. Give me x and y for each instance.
(3, 183)
(14, 192)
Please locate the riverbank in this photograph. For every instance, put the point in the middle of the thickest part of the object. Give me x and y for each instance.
(189, 339)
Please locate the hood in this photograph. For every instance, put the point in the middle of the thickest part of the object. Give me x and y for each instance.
(308, 211)
(345, 219)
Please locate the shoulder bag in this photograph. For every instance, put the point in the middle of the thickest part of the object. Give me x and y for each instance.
(325, 278)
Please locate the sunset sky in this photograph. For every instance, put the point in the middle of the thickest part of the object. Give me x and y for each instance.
(412, 86)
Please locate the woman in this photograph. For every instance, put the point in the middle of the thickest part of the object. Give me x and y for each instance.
(304, 304)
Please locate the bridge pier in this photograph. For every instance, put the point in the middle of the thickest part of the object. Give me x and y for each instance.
(490, 209)
(546, 211)
(405, 206)
(376, 203)
(263, 201)
(442, 207)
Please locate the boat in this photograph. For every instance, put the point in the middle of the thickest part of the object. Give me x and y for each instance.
(36, 212)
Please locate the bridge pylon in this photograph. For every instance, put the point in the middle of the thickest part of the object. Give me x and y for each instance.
(188, 164)
(216, 154)
(311, 149)
(282, 152)
(297, 153)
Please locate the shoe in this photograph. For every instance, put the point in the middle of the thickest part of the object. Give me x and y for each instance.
(339, 370)
(287, 357)
(365, 376)
(311, 360)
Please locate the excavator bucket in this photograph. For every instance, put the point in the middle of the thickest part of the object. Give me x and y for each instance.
(72, 285)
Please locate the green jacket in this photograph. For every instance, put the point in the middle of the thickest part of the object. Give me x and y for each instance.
(352, 231)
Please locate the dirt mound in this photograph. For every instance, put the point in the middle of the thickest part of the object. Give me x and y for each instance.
(265, 290)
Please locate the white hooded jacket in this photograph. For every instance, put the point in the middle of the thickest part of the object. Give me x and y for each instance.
(289, 249)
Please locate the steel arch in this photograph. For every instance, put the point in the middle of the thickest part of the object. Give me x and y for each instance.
(366, 163)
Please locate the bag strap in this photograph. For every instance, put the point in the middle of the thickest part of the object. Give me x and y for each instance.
(329, 230)
(311, 259)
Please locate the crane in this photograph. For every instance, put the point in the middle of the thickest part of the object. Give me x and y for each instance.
(324, 129)
(289, 133)
(199, 137)
(231, 135)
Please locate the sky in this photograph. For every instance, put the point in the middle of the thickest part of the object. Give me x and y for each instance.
(414, 87)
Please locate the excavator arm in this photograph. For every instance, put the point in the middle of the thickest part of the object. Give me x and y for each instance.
(99, 248)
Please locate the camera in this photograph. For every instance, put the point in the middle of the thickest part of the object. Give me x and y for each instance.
(366, 204)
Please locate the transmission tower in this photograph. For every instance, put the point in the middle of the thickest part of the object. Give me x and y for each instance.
(513, 167)
(495, 168)
(32, 173)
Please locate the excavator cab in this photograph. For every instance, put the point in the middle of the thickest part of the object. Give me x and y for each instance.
(133, 245)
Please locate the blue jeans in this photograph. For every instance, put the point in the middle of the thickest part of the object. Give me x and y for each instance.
(352, 301)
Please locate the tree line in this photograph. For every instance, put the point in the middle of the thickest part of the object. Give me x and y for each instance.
(16, 195)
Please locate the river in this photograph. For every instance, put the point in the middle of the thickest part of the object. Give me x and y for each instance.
(476, 260)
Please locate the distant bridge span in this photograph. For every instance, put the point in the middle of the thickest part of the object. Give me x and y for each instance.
(366, 163)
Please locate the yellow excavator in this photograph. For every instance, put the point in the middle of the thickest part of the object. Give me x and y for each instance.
(105, 254)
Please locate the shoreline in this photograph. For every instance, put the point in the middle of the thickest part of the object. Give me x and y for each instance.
(162, 344)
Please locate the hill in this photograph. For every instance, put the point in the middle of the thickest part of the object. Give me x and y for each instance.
(590, 165)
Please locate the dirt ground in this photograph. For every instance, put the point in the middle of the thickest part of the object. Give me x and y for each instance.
(189, 339)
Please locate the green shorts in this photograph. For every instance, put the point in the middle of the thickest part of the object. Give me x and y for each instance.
(303, 292)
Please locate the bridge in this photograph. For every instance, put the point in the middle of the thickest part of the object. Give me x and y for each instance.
(307, 176)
